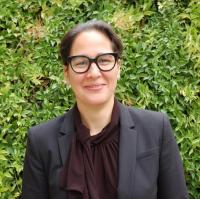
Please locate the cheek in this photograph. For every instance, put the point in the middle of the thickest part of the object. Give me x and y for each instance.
(116, 74)
(112, 79)
(75, 81)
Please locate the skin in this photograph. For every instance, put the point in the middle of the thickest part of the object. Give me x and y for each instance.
(94, 90)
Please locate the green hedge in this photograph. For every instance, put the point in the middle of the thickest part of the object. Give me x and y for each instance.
(160, 71)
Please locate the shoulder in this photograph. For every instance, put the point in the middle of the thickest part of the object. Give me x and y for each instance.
(46, 128)
(50, 129)
(143, 116)
(150, 125)
(52, 123)
(143, 113)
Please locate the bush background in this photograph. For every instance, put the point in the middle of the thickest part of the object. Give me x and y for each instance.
(160, 70)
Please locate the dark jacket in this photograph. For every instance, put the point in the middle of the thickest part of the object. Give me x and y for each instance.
(149, 162)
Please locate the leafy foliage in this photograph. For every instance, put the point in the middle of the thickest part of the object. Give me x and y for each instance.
(160, 71)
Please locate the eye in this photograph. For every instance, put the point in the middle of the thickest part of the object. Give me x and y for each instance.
(79, 62)
(105, 59)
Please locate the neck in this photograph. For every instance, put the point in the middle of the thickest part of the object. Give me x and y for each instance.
(96, 117)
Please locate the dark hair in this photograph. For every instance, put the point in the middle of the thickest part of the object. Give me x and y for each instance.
(100, 26)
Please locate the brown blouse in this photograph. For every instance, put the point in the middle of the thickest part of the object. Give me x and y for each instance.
(91, 170)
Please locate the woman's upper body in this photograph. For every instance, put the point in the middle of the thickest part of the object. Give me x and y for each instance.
(145, 158)
(149, 164)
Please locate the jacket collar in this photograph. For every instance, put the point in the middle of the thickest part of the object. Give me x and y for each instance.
(67, 126)
(127, 148)
(127, 154)
(65, 134)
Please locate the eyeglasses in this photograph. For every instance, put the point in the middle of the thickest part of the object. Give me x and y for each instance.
(81, 63)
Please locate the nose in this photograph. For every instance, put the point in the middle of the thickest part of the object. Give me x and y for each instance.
(93, 70)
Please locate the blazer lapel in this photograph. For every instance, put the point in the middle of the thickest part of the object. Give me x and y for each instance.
(127, 154)
(127, 149)
(65, 135)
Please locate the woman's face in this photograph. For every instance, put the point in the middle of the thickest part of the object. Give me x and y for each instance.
(93, 87)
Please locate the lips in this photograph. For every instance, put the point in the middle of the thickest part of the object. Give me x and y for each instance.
(94, 86)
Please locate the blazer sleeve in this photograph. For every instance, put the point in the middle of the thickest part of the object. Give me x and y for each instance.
(34, 180)
(171, 180)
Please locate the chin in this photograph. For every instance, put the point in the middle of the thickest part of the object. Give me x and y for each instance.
(96, 101)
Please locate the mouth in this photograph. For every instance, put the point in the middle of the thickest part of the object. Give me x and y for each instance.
(95, 86)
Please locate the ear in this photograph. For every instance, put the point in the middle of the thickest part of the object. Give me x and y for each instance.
(66, 74)
(119, 69)
(118, 74)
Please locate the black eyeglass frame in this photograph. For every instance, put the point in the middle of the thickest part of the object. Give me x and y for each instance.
(93, 60)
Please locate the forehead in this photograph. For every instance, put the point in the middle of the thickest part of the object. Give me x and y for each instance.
(89, 42)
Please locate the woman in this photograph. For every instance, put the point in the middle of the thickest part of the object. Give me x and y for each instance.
(101, 149)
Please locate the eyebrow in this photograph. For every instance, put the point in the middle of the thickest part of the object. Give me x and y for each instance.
(89, 56)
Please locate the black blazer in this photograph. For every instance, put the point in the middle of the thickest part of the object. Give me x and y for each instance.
(149, 162)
